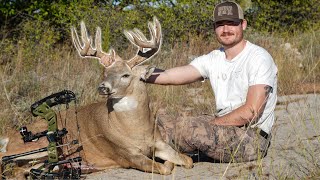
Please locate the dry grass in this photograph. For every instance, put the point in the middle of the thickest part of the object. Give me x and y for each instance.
(27, 79)
(29, 73)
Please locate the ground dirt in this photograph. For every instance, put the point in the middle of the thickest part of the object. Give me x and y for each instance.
(294, 151)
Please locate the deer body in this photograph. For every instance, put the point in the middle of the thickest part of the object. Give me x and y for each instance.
(120, 132)
(124, 125)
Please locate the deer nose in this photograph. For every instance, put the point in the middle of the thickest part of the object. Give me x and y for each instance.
(104, 89)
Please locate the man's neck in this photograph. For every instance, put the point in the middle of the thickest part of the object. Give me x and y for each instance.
(234, 50)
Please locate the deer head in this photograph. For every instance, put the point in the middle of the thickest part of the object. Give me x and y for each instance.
(119, 73)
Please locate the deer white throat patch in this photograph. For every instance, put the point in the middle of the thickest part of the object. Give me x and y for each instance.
(125, 104)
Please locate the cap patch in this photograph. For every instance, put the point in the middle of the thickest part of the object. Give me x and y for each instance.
(225, 10)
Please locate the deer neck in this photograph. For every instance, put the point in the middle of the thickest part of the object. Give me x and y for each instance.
(134, 103)
(131, 111)
(125, 104)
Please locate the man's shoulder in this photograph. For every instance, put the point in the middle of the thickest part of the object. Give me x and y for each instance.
(204, 63)
(255, 49)
(213, 55)
(259, 58)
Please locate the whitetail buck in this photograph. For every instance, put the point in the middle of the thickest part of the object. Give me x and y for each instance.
(120, 132)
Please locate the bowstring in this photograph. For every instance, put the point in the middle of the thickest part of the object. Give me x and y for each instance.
(65, 140)
(78, 131)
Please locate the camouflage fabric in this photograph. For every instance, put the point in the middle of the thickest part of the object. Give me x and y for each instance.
(221, 143)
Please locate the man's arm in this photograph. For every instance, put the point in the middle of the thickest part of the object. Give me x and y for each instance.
(175, 76)
(257, 97)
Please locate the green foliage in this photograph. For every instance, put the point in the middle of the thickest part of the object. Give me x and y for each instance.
(187, 18)
(180, 19)
(284, 15)
(48, 22)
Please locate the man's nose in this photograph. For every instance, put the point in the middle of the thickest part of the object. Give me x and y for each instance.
(226, 28)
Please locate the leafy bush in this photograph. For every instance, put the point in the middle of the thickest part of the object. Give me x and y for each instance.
(285, 16)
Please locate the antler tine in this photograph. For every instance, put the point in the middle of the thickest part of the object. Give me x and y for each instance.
(146, 48)
(140, 34)
(129, 36)
(75, 39)
(152, 28)
(158, 30)
(98, 43)
(86, 49)
(136, 37)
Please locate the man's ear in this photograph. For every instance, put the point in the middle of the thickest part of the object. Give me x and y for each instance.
(244, 24)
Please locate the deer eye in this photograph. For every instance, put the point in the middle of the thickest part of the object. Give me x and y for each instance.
(126, 76)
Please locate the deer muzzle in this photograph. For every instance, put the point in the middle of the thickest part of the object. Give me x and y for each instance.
(105, 89)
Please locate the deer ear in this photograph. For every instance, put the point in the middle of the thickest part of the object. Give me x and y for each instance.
(108, 60)
(147, 73)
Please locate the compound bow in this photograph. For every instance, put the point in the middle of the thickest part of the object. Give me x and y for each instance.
(54, 136)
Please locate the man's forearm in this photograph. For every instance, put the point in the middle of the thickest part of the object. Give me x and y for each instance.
(175, 76)
(251, 111)
(239, 117)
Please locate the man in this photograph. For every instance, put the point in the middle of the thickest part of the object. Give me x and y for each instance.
(243, 77)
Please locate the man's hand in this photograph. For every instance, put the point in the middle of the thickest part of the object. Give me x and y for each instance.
(256, 100)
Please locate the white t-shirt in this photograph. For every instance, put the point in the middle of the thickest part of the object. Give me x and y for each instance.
(230, 79)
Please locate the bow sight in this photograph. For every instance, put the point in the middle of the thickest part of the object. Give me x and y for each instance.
(54, 136)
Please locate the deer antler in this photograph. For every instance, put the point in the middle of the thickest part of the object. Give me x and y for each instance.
(146, 48)
(87, 49)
